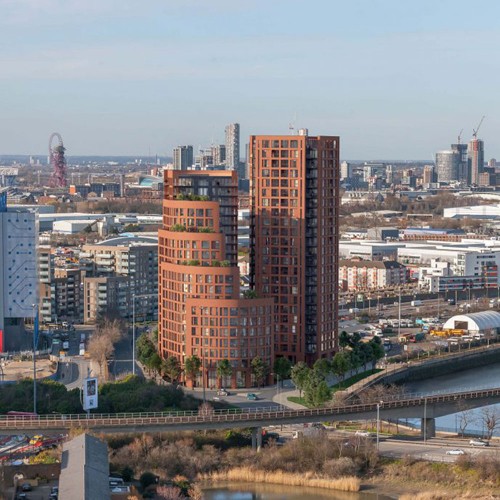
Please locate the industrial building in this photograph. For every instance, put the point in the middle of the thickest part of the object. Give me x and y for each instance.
(486, 323)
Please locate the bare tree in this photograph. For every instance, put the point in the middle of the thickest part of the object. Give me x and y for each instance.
(101, 344)
(465, 417)
(491, 419)
(100, 349)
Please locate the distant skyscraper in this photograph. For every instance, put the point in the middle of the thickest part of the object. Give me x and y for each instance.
(219, 154)
(461, 150)
(492, 162)
(428, 176)
(346, 170)
(183, 157)
(475, 151)
(233, 146)
(389, 174)
(447, 165)
(295, 236)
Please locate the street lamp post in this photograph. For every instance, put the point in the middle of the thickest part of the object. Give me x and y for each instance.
(378, 423)
(133, 334)
(425, 420)
(202, 357)
(399, 313)
(35, 338)
(134, 296)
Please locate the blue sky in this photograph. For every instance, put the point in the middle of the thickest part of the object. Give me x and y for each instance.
(395, 79)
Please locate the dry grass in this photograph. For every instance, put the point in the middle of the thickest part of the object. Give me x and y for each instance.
(430, 495)
(247, 474)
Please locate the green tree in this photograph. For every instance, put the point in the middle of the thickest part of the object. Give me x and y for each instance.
(323, 367)
(377, 350)
(316, 390)
(192, 367)
(344, 340)
(282, 368)
(341, 364)
(354, 360)
(259, 370)
(365, 353)
(145, 348)
(171, 369)
(154, 363)
(224, 370)
(299, 374)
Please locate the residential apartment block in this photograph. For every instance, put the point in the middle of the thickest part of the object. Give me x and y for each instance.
(107, 295)
(362, 275)
(201, 311)
(294, 243)
(133, 258)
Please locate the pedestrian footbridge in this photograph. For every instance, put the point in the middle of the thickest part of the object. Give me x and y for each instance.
(426, 407)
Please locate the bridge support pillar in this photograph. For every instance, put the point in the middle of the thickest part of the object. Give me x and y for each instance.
(256, 438)
(428, 426)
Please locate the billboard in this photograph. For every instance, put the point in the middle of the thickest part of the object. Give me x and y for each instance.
(89, 394)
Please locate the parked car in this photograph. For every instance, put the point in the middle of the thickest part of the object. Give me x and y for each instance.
(478, 442)
(252, 397)
(26, 487)
(455, 452)
(222, 392)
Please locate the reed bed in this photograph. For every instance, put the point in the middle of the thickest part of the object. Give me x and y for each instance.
(309, 479)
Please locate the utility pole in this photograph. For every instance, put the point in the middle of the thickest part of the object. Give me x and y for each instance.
(35, 340)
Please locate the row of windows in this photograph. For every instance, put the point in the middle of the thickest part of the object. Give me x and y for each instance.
(280, 173)
(190, 212)
(249, 354)
(189, 244)
(235, 341)
(173, 276)
(230, 311)
(278, 143)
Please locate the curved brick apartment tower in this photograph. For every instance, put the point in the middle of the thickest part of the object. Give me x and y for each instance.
(200, 309)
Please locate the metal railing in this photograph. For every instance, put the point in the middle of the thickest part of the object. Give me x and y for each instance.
(110, 420)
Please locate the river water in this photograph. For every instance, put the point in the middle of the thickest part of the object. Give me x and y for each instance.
(476, 378)
(248, 491)
(486, 377)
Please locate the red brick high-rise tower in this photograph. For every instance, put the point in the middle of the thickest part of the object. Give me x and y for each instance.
(294, 193)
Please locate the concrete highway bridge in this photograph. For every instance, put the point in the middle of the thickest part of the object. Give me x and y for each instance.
(425, 407)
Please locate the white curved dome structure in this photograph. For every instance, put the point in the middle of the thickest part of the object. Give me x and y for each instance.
(484, 321)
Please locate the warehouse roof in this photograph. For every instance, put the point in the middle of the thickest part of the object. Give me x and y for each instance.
(483, 320)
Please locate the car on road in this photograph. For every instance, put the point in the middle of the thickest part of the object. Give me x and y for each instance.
(478, 442)
(455, 452)
(252, 397)
(26, 487)
(363, 433)
(222, 392)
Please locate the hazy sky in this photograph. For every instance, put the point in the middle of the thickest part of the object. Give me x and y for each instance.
(394, 78)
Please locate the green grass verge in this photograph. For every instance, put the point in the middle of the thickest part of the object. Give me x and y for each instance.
(339, 386)
(354, 379)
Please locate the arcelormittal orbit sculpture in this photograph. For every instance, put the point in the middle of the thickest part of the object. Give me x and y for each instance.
(58, 161)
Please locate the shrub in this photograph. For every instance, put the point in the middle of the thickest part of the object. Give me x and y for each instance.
(147, 479)
(340, 467)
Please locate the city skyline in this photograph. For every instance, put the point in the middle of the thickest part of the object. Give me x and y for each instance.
(117, 78)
